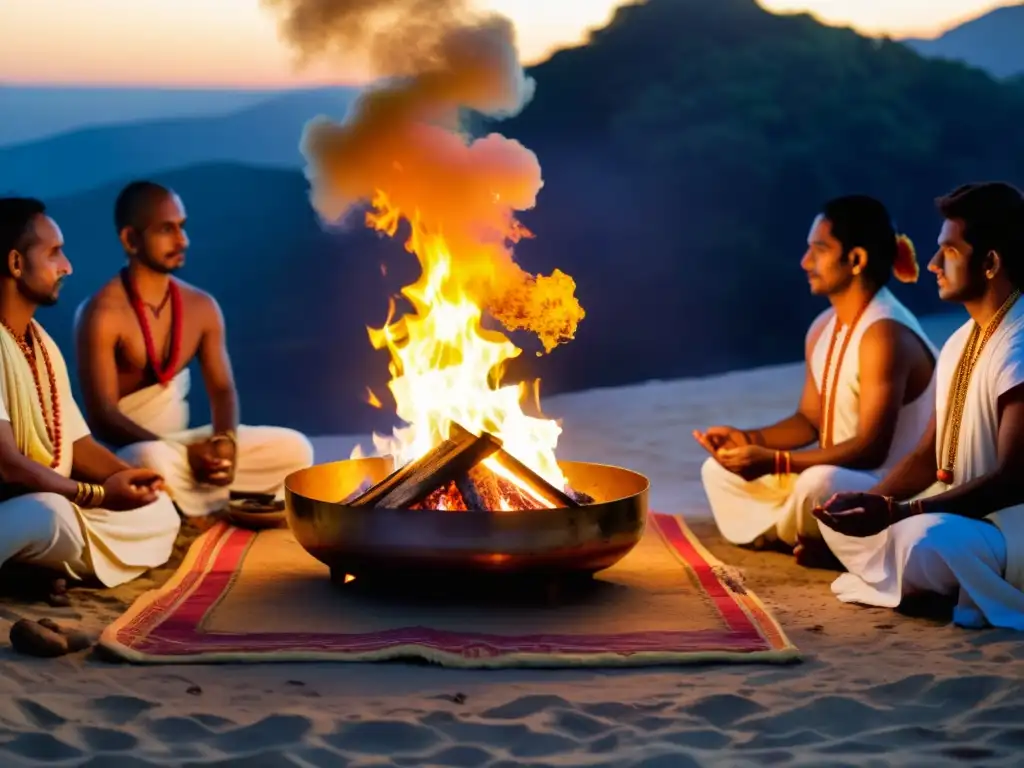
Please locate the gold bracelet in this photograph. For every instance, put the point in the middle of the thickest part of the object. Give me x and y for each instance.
(228, 434)
(89, 495)
(789, 462)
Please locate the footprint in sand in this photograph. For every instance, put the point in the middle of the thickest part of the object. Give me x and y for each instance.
(517, 739)
(119, 710)
(42, 747)
(724, 709)
(40, 715)
(106, 739)
(268, 733)
(177, 730)
(385, 737)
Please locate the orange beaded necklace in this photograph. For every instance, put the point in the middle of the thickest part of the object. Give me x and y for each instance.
(828, 404)
(53, 431)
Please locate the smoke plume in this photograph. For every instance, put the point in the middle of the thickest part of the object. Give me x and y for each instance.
(401, 141)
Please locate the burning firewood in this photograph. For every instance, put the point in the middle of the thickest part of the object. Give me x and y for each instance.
(543, 493)
(413, 482)
(484, 491)
(465, 473)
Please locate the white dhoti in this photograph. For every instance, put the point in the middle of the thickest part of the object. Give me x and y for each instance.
(265, 455)
(942, 554)
(979, 562)
(46, 529)
(775, 507)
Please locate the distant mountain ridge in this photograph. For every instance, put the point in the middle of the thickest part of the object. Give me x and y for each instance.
(32, 113)
(993, 42)
(266, 133)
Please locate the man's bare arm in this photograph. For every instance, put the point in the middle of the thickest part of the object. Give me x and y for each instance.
(885, 368)
(96, 346)
(215, 365)
(1003, 486)
(28, 476)
(915, 472)
(93, 463)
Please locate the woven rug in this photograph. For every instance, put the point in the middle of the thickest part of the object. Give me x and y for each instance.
(241, 596)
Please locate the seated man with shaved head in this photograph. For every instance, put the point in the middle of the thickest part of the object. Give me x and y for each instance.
(136, 338)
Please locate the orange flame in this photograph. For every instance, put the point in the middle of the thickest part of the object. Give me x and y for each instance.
(446, 366)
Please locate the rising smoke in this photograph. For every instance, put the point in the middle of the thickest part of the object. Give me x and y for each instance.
(402, 138)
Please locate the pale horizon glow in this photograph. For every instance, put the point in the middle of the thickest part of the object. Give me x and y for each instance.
(234, 43)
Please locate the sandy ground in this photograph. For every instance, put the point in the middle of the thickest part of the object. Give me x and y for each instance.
(876, 688)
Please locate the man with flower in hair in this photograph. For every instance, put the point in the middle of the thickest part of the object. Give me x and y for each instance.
(867, 397)
(949, 519)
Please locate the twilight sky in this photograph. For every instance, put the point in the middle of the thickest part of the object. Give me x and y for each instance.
(234, 42)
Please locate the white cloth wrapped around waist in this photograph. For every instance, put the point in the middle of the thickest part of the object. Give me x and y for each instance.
(265, 455)
(162, 409)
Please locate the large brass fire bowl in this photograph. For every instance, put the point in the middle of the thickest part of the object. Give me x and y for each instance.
(427, 543)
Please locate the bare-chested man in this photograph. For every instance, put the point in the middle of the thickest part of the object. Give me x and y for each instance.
(867, 398)
(135, 340)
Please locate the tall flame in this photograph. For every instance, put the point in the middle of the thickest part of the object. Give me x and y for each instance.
(401, 148)
(445, 366)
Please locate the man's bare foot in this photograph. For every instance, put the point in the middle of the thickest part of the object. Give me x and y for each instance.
(814, 553)
(32, 638)
(46, 638)
(77, 641)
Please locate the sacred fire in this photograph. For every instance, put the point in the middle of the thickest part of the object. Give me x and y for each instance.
(455, 199)
(467, 444)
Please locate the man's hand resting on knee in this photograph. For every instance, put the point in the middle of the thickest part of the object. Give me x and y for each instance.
(131, 489)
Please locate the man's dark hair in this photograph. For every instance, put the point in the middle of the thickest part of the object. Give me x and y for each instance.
(992, 213)
(132, 202)
(16, 214)
(861, 221)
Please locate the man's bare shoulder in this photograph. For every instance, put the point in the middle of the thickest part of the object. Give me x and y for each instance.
(108, 304)
(196, 300)
(888, 333)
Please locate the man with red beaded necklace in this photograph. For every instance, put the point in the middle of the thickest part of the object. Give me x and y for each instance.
(69, 504)
(866, 400)
(949, 519)
(136, 338)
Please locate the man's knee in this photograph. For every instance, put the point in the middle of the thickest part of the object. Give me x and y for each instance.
(712, 473)
(938, 542)
(40, 521)
(150, 454)
(815, 485)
